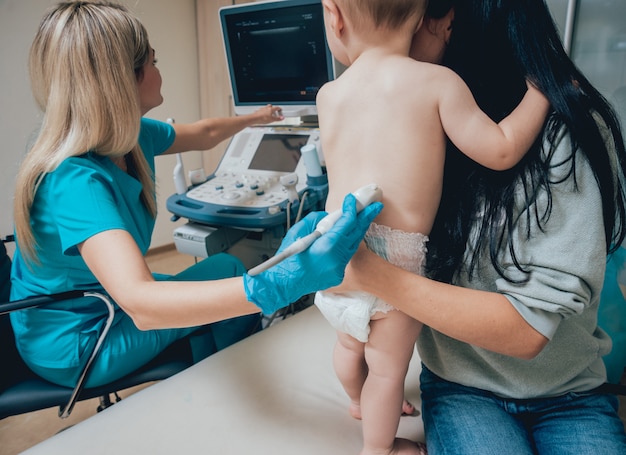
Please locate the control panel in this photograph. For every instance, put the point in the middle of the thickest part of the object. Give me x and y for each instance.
(255, 182)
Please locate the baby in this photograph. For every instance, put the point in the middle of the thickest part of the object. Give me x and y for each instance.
(385, 120)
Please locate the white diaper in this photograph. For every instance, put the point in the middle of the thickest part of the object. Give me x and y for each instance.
(351, 312)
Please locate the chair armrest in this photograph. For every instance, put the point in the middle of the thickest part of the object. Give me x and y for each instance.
(37, 301)
(66, 411)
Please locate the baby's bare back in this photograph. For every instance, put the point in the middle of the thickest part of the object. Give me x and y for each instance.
(379, 124)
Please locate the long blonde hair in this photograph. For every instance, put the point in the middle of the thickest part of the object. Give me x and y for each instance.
(84, 65)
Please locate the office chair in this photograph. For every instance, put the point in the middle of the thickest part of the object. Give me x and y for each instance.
(23, 391)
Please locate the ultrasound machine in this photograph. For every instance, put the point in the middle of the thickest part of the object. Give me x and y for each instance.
(269, 176)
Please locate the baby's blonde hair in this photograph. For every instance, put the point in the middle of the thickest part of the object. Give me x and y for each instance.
(383, 13)
(84, 65)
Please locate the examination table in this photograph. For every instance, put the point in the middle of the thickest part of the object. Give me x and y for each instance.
(273, 393)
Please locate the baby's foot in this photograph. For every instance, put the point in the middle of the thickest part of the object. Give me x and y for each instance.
(407, 408)
(355, 410)
(406, 447)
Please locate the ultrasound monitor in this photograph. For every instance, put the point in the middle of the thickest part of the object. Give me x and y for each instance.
(277, 54)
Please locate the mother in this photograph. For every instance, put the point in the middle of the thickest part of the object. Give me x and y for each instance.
(512, 352)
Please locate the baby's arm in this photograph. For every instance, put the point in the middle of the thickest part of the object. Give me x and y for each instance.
(496, 146)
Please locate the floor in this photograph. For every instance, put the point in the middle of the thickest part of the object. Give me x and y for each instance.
(18, 433)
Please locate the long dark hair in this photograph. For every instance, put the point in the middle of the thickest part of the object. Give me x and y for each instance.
(494, 45)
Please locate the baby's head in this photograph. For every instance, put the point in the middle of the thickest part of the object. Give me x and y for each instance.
(388, 14)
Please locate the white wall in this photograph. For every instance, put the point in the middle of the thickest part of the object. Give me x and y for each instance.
(171, 25)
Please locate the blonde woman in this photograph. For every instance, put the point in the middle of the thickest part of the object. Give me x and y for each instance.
(85, 210)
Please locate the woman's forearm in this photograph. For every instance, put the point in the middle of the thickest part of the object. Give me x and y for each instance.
(117, 263)
(207, 133)
(480, 318)
(173, 304)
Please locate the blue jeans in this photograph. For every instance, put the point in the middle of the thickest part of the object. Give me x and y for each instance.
(464, 420)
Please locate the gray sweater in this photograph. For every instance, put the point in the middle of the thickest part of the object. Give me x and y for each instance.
(567, 261)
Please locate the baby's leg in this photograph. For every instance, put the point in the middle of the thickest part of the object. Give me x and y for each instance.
(388, 352)
(351, 369)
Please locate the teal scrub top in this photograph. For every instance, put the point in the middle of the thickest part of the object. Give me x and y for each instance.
(84, 196)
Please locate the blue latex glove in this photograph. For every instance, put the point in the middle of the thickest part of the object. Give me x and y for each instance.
(319, 267)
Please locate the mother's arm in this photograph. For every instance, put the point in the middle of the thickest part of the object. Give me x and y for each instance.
(565, 270)
(481, 318)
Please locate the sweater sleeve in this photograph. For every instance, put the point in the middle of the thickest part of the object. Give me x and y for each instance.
(565, 254)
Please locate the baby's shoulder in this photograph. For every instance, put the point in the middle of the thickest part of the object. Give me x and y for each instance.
(424, 70)
(335, 92)
(327, 90)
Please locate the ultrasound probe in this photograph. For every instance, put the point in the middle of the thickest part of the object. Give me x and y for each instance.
(364, 197)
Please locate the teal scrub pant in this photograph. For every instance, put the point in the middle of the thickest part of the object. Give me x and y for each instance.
(126, 348)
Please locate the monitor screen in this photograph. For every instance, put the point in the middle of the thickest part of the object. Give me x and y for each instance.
(276, 53)
(278, 152)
